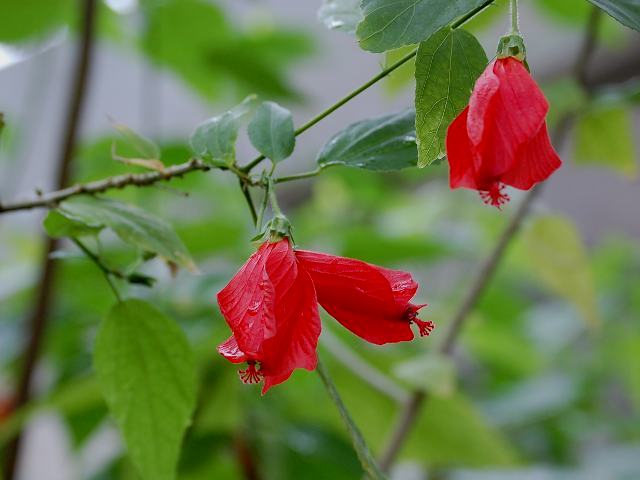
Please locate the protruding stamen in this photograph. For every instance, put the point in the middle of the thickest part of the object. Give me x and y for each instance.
(425, 327)
(495, 196)
(251, 374)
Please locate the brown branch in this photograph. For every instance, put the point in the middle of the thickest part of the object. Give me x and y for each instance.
(51, 199)
(36, 326)
(581, 67)
(486, 273)
(479, 285)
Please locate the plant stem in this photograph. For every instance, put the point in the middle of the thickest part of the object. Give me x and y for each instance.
(322, 115)
(247, 197)
(107, 272)
(369, 464)
(464, 19)
(588, 46)
(38, 321)
(487, 271)
(145, 179)
(247, 168)
(298, 176)
(263, 208)
(273, 198)
(363, 369)
(515, 23)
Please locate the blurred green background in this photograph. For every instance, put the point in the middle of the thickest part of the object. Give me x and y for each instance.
(546, 378)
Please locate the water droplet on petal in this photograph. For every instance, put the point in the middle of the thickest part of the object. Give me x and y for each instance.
(253, 308)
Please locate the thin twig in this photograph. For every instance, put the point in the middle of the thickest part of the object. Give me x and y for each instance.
(485, 275)
(247, 196)
(369, 464)
(479, 285)
(363, 369)
(106, 271)
(588, 47)
(52, 199)
(37, 323)
(384, 73)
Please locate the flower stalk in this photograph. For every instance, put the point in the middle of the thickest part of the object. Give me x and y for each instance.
(515, 21)
(369, 464)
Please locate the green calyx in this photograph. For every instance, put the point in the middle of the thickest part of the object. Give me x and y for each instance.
(512, 45)
(279, 227)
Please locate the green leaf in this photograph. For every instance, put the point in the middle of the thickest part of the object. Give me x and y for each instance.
(215, 139)
(196, 41)
(604, 137)
(271, 131)
(24, 20)
(147, 374)
(447, 66)
(627, 12)
(388, 25)
(58, 225)
(557, 256)
(131, 224)
(342, 15)
(143, 147)
(383, 143)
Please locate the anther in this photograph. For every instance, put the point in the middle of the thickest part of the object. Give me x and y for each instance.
(495, 196)
(251, 374)
(425, 328)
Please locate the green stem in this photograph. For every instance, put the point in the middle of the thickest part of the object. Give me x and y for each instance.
(249, 166)
(106, 271)
(369, 464)
(263, 208)
(273, 198)
(462, 20)
(340, 103)
(247, 197)
(515, 27)
(298, 176)
(312, 173)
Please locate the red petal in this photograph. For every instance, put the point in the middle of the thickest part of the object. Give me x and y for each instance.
(297, 328)
(500, 124)
(459, 155)
(403, 286)
(480, 104)
(247, 302)
(368, 300)
(271, 307)
(535, 162)
(230, 350)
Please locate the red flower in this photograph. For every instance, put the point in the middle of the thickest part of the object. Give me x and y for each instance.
(271, 305)
(501, 137)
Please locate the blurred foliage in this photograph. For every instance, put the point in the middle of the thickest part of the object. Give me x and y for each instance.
(194, 39)
(534, 391)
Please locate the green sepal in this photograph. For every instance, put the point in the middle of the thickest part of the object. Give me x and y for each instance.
(512, 45)
(279, 227)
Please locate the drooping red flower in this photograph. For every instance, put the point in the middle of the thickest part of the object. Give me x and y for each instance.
(271, 305)
(501, 137)
(271, 308)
